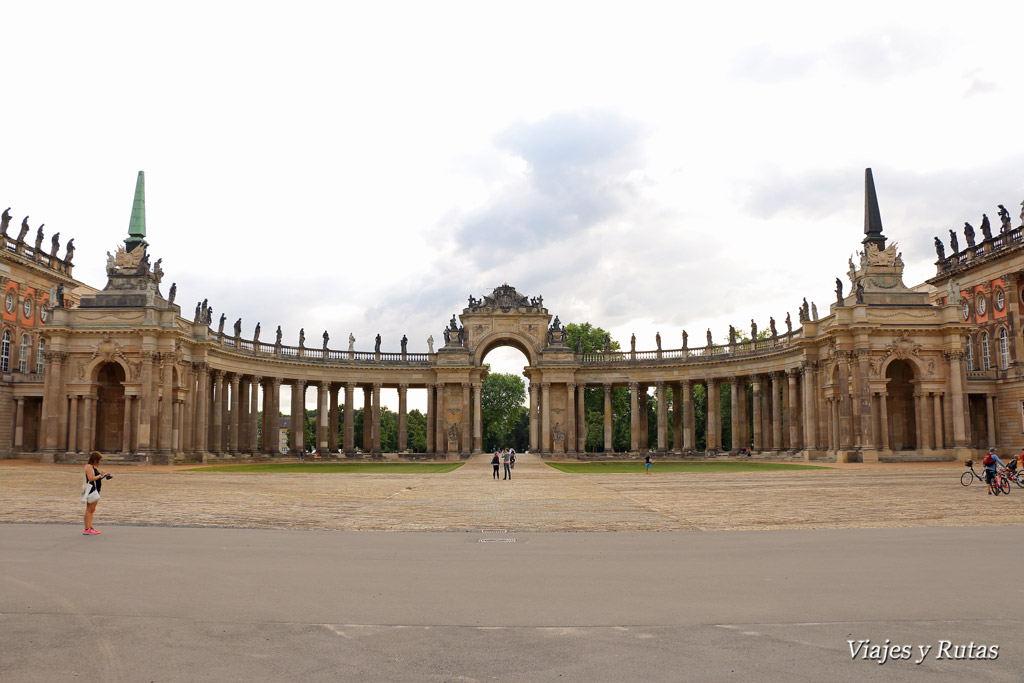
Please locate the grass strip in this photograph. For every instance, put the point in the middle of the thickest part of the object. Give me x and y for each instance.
(637, 467)
(336, 467)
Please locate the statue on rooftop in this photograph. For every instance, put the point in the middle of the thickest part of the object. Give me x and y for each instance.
(256, 334)
(657, 339)
(24, 230)
(789, 324)
(173, 293)
(753, 330)
(954, 244)
(685, 337)
(940, 250)
(710, 342)
(39, 238)
(376, 345)
(351, 342)
(452, 325)
(220, 327)
(71, 251)
(199, 311)
(814, 311)
(986, 229)
(327, 338)
(405, 343)
(732, 335)
(238, 328)
(462, 337)
(54, 244)
(60, 295)
(969, 234)
(430, 344)
(5, 220)
(447, 336)
(632, 344)
(806, 310)
(302, 337)
(839, 284)
(859, 292)
(771, 326)
(1004, 217)
(277, 341)
(579, 343)
(607, 344)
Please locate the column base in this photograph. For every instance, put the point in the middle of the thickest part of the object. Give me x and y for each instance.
(847, 455)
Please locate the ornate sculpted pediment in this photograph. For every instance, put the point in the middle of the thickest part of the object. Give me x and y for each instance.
(903, 347)
(505, 298)
(882, 257)
(128, 260)
(107, 350)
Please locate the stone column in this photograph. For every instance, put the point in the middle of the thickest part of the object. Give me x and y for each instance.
(569, 443)
(126, 433)
(146, 402)
(677, 418)
(608, 445)
(376, 418)
(809, 413)
(466, 432)
(235, 415)
(19, 424)
(755, 384)
(54, 399)
(275, 416)
(883, 419)
(243, 413)
(845, 408)
(662, 417)
(634, 417)
(713, 428)
(581, 419)
(254, 398)
(403, 418)
(348, 433)
(791, 406)
(332, 420)
(298, 416)
(937, 401)
(202, 431)
(642, 398)
(919, 413)
(439, 423)
(179, 411)
(836, 443)
(431, 409)
(735, 410)
(166, 402)
(19, 435)
(87, 409)
(217, 446)
(478, 433)
(689, 419)
(991, 400)
(957, 397)
(864, 397)
(545, 420)
(534, 432)
(367, 419)
(776, 411)
(323, 418)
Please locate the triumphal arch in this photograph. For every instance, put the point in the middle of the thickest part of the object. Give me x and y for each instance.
(887, 372)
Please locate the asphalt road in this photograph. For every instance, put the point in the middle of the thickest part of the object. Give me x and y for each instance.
(175, 604)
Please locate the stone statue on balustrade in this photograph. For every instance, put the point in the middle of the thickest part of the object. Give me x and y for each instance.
(54, 245)
(1004, 218)
(579, 344)
(376, 345)
(940, 249)
(657, 339)
(238, 328)
(954, 244)
(39, 238)
(351, 342)
(732, 335)
(789, 324)
(405, 344)
(209, 315)
(839, 285)
(220, 327)
(453, 325)
(24, 230)
(1022, 214)
(60, 295)
(277, 339)
(447, 336)
(632, 344)
(5, 220)
(986, 229)
(969, 234)
(71, 251)
(430, 344)
(462, 335)
(173, 293)
(327, 338)
(806, 310)
(199, 312)
(814, 311)
(256, 334)
(710, 343)
(771, 327)
(685, 338)
(753, 330)
(607, 344)
(858, 292)
(302, 337)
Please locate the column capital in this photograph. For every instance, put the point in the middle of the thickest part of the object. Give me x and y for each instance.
(955, 354)
(660, 384)
(218, 374)
(299, 383)
(235, 379)
(478, 386)
(792, 372)
(350, 386)
(276, 381)
(810, 365)
(403, 387)
(325, 386)
(257, 379)
(377, 386)
(686, 383)
(545, 385)
(571, 386)
(634, 386)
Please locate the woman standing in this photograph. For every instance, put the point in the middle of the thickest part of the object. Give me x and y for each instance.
(495, 463)
(95, 477)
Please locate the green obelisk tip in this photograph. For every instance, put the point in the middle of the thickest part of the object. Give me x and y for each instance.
(872, 216)
(137, 225)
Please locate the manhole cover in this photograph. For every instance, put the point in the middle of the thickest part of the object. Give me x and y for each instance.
(494, 531)
(497, 540)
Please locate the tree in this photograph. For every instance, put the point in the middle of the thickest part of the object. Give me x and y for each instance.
(503, 395)
(417, 430)
(592, 341)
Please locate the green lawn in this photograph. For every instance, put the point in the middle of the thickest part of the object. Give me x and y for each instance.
(637, 467)
(332, 467)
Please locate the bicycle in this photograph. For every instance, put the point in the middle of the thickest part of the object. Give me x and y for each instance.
(1001, 483)
(1013, 475)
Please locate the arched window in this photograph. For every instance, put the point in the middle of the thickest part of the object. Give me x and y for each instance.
(970, 353)
(986, 361)
(1004, 349)
(26, 347)
(5, 351)
(40, 364)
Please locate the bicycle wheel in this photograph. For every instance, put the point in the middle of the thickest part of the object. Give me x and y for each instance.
(995, 488)
(1019, 481)
(966, 478)
(1004, 485)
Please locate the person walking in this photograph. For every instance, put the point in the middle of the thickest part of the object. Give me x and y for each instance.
(991, 462)
(512, 457)
(93, 476)
(494, 462)
(647, 464)
(505, 460)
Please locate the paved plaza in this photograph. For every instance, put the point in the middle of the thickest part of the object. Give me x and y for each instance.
(720, 577)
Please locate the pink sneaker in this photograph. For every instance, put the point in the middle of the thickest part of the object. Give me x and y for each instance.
(91, 532)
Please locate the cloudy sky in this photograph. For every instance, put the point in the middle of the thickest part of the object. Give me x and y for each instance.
(365, 167)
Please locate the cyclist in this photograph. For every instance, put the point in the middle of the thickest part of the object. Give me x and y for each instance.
(991, 462)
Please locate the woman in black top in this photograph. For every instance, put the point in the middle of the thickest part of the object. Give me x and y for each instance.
(95, 477)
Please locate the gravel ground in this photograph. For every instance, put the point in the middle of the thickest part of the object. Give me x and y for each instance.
(537, 498)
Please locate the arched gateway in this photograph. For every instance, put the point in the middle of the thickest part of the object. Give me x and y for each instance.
(882, 371)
